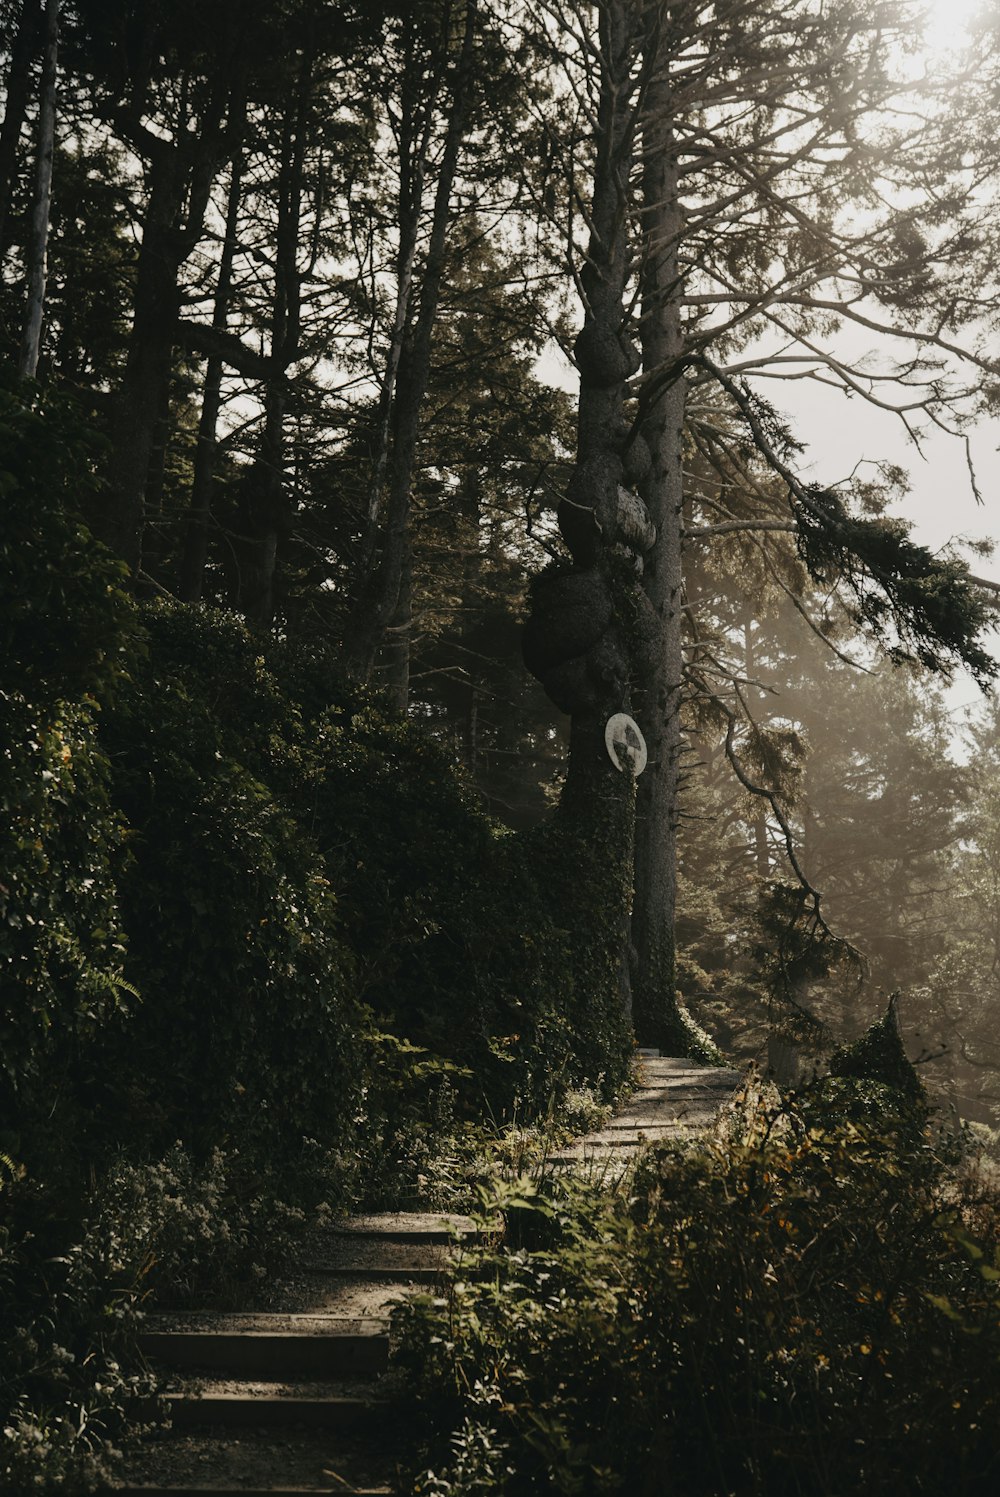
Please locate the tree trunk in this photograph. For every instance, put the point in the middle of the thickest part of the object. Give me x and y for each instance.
(38, 242)
(378, 591)
(267, 517)
(154, 541)
(399, 642)
(148, 366)
(15, 108)
(411, 189)
(762, 857)
(584, 632)
(470, 500)
(660, 1020)
(195, 554)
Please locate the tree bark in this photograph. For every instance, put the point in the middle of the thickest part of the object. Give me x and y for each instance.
(762, 857)
(399, 642)
(658, 1019)
(148, 365)
(15, 108)
(38, 242)
(471, 504)
(412, 150)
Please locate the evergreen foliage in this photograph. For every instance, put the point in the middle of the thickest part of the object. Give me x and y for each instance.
(919, 605)
(879, 1056)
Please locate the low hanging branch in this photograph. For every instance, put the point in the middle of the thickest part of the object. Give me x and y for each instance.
(763, 792)
(935, 608)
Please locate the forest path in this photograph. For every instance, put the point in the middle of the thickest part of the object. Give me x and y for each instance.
(286, 1400)
(675, 1099)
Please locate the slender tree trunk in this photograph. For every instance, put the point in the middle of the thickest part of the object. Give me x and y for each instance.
(399, 643)
(470, 504)
(762, 857)
(195, 554)
(378, 592)
(15, 108)
(38, 242)
(148, 366)
(181, 176)
(268, 517)
(154, 538)
(410, 211)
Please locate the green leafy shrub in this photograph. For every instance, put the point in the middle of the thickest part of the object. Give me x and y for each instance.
(288, 861)
(186, 1230)
(65, 1318)
(65, 641)
(65, 621)
(61, 943)
(806, 1304)
(247, 1026)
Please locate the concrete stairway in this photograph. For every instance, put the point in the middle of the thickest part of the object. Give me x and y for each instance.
(287, 1400)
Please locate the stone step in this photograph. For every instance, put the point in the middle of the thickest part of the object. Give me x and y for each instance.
(666, 1072)
(313, 1345)
(660, 1107)
(654, 1125)
(205, 1491)
(295, 1464)
(328, 1321)
(621, 1149)
(408, 1226)
(377, 1273)
(339, 1298)
(359, 1253)
(683, 1087)
(270, 1405)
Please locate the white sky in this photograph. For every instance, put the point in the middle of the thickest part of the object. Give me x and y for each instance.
(941, 504)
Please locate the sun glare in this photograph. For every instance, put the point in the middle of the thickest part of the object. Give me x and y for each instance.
(948, 22)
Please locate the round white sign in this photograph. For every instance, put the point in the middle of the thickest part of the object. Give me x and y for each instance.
(625, 744)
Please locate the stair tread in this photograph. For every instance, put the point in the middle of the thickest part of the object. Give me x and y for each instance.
(263, 1323)
(218, 1460)
(668, 1071)
(261, 1389)
(397, 1224)
(359, 1253)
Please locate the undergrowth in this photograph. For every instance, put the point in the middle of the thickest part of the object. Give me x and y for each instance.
(804, 1303)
